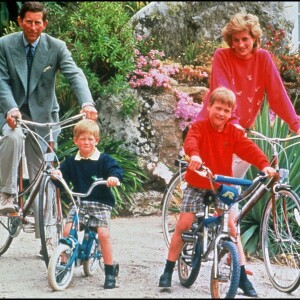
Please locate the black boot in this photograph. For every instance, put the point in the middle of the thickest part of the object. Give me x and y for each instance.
(166, 278)
(245, 284)
(110, 279)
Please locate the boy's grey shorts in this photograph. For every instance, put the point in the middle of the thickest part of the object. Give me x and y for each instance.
(193, 200)
(100, 213)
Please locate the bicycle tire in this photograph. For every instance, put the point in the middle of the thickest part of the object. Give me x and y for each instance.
(50, 217)
(171, 203)
(228, 274)
(95, 260)
(59, 276)
(5, 236)
(189, 263)
(281, 252)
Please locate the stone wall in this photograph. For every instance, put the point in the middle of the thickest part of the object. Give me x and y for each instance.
(174, 24)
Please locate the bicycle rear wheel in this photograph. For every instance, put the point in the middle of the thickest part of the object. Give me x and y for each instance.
(189, 263)
(226, 282)
(95, 260)
(171, 201)
(5, 236)
(60, 272)
(281, 240)
(50, 217)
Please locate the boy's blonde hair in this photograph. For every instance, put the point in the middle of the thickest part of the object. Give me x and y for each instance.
(86, 126)
(223, 95)
(243, 22)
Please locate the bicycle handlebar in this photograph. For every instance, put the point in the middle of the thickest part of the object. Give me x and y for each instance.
(98, 181)
(272, 140)
(60, 123)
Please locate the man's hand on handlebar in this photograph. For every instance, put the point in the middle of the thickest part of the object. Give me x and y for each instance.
(11, 118)
(269, 171)
(90, 112)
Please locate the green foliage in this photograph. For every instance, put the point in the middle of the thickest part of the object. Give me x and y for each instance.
(250, 225)
(102, 43)
(199, 53)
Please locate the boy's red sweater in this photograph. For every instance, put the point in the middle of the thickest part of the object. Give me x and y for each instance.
(217, 148)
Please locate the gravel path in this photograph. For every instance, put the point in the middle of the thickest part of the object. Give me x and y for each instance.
(140, 250)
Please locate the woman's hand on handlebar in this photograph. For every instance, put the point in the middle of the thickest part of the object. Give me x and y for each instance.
(195, 162)
(112, 181)
(269, 171)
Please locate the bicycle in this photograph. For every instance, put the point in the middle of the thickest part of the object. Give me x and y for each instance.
(71, 252)
(49, 223)
(209, 235)
(279, 232)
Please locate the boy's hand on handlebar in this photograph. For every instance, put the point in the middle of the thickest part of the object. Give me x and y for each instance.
(55, 172)
(112, 181)
(11, 118)
(195, 162)
(269, 171)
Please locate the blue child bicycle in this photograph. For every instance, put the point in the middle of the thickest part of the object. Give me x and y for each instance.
(71, 252)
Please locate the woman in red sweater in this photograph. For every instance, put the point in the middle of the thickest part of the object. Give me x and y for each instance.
(212, 141)
(251, 74)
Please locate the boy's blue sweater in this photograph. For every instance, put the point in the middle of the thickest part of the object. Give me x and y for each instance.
(80, 174)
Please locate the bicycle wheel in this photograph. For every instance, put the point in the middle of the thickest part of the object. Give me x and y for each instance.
(281, 240)
(50, 217)
(95, 260)
(189, 263)
(225, 285)
(171, 201)
(59, 273)
(5, 236)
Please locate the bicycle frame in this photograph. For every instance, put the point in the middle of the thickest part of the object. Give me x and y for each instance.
(47, 163)
(48, 217)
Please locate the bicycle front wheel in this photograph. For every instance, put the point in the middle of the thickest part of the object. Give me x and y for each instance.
(225, 275)
(281, 240)
(60, 271)
(95, 260)
(171, 201)
(5, 236)
(50, 217)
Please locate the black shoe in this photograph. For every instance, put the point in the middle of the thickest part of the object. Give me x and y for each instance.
(165, 280)
(247, 288)
(110, 282)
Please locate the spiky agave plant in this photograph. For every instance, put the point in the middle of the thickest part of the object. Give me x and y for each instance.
(288, 159)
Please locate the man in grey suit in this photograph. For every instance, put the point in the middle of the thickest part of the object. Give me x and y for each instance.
(29, 92)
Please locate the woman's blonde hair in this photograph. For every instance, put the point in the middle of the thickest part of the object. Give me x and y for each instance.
(223, 95)
(86, 126)
(243, 22)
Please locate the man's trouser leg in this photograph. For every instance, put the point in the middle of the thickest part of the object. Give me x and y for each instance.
(11, 147)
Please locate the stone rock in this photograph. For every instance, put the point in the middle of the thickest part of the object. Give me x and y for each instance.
(175, 24)
(147, 203)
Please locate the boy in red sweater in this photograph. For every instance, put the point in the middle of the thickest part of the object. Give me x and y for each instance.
(212, 141)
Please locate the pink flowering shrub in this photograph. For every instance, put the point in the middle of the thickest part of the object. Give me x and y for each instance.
(150, 72)
(186, 109)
